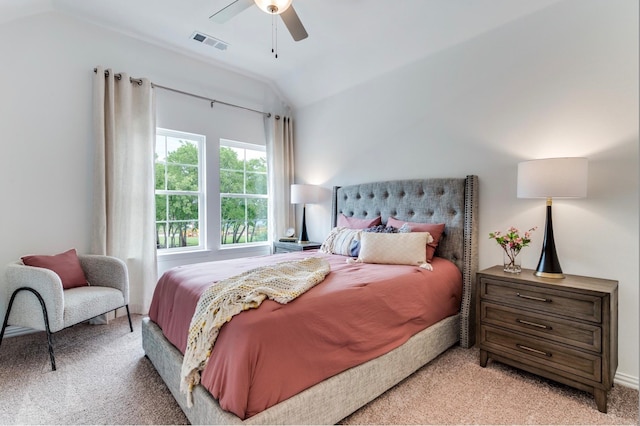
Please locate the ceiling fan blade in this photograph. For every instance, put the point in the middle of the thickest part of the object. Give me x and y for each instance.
(295, 27)
(231, 10)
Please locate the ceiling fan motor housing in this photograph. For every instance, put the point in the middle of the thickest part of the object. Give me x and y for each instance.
(273, 6)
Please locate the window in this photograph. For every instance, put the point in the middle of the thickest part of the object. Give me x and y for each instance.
(243, 193)
(179, 190)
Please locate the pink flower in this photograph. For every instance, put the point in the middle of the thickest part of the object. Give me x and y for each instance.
(511, 241)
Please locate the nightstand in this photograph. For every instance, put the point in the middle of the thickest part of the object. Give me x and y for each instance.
(286, 247)
(562, 329)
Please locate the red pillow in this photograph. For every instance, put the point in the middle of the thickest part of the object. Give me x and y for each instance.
(355, 223)
(435, 229)
(66, 265)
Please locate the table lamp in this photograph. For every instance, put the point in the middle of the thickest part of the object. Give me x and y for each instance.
(303, 194)
(552, 178)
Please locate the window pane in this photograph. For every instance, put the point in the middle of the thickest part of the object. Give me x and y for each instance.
(183, 207)
(160, 157)
(182, 178)
(231, 182)
(232, 223)
(256, 183)
(182, 151)
(256, 161)
(161, 235)
(161, 208)
(160, 176)
(193, 234)
(180, 234)
(182, 229)
(231, 158)
(257, 220)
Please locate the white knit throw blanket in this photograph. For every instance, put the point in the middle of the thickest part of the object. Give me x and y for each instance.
(281, 282)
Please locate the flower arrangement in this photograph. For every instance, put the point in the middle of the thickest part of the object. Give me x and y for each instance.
(511, 242)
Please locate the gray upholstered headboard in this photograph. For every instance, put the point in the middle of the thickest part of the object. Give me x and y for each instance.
(453, 201)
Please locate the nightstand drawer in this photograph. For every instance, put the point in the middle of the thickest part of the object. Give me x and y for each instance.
(581, 335)
(542, 354)
(558, 302)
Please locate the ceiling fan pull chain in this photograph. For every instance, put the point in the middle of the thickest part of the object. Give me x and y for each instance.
(274, 35)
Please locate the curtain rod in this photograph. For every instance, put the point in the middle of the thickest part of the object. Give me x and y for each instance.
(213, 101)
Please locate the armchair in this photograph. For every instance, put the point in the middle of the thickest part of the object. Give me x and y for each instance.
(39, 301)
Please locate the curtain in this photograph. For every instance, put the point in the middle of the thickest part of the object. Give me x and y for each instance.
(279, 140)
(123, 202)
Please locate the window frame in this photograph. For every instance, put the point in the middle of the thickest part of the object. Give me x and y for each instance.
(223, 142)
(200, 141)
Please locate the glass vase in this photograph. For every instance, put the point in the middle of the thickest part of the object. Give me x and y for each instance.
(512, 263)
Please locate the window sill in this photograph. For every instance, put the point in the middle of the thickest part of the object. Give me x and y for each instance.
(179, 255)
(260, 249)
(246, 247)
(209, 254)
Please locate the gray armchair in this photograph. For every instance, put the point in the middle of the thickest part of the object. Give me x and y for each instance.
(38, 300)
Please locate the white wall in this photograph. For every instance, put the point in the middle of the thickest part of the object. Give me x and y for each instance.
(560, 82)
(46, 69)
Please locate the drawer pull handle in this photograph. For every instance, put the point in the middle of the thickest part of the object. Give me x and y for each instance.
(536, 351)
(533, 324)
(539, 299)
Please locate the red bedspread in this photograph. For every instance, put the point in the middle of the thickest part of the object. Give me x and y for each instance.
(266, 355)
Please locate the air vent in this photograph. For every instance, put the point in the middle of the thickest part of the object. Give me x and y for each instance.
(209, 41)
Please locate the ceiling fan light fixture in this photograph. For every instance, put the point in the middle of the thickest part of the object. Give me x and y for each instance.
(273, 7)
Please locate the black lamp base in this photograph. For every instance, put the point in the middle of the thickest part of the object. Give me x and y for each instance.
(549, 265)
(304, 238)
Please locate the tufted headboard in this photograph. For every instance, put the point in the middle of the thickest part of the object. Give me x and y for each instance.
(453, 201)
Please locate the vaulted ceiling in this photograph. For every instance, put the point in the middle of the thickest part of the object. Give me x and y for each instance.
(350, 41)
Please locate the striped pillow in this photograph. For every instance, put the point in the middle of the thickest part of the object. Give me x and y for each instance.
(339, 241)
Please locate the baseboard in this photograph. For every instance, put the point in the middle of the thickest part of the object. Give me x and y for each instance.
(626, 380)
(12, 330)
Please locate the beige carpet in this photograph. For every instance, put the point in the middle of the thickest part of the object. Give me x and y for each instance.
(103, 378)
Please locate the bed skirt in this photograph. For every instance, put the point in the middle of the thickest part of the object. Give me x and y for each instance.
(327, 402)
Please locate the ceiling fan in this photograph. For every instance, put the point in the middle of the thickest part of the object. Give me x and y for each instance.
(272, 7)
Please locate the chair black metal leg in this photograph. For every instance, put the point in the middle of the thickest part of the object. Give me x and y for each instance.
(6, 318)
(46, 321)
(50, 341)
(129, 316)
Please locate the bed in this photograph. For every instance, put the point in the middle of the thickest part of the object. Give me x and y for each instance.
(452, 201)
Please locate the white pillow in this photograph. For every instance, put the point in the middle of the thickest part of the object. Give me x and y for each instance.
(394, 249)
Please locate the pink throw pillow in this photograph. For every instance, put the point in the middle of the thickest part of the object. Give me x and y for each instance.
(66, 265)
(435, 229)
(355, 223)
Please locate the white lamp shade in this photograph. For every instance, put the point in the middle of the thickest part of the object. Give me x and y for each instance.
(553, 178)
(273, 6)
(304, 194)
